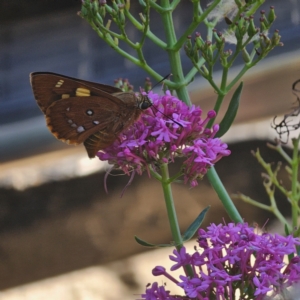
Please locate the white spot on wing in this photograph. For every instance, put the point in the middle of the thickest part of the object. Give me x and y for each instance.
(96, 122)
(80, 129)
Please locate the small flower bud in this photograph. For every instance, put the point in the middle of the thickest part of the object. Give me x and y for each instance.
(276, 38)
(116, 41)
(158, 270)
(211, 114)
(205, 72)
(99, 19)
(188, 47)
(199, 41)
(121, 19)
(271, 15)
(207, 131)
(245, 55)
(108, 24)
(264, 24)
(217, 36)
(209, 51)
(142, 18)
(115, 5)
(95, 6)
(102, 11)
(215, 129)
(195, 53)
(252, 30)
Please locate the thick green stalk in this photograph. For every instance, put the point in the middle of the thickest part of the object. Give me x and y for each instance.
(172, 216)
(166, 185)
(174, 55)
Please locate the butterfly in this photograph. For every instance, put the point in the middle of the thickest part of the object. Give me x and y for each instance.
(79, 111)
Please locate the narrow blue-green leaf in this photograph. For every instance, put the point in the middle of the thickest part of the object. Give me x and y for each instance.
(190, 232)
(146, 244)
(231, 111)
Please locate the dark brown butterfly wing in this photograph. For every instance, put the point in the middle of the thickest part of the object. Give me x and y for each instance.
(95, 123)
(49, 87)
(80, 111)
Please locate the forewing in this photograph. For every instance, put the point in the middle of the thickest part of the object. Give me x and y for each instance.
(50, 87)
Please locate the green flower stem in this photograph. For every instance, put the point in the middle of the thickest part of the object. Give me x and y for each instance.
(294, 200)
(196, 21)
(174, 55)
(271, 208)
(174, 4)
(165, 182)
(139, 62)
(218, 186)
(279, 149)
(149, 34)
(272, 174)
(172, 216)
(154, 173)
(221, 94)
(191, 74)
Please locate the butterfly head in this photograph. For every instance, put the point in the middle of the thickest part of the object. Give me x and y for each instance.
(143, 102)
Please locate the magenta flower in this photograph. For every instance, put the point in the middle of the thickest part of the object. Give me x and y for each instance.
(155, 292)
(182, 258)
(156, 138)
(234, 258)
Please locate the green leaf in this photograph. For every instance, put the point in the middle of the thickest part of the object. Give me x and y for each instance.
(231, 111)
(146, 244)
(190, 232)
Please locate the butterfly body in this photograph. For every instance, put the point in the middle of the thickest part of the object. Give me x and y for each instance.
(79, 111)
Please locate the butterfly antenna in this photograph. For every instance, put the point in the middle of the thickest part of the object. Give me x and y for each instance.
(168, 75)
(167, 116)
(156, 84)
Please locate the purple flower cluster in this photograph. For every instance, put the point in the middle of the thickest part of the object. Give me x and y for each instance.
(158, 138)
(232, 258)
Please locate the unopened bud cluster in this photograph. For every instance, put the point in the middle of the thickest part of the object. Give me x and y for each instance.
(242, 32)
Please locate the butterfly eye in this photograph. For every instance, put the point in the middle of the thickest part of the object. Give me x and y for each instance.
(146, 103)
